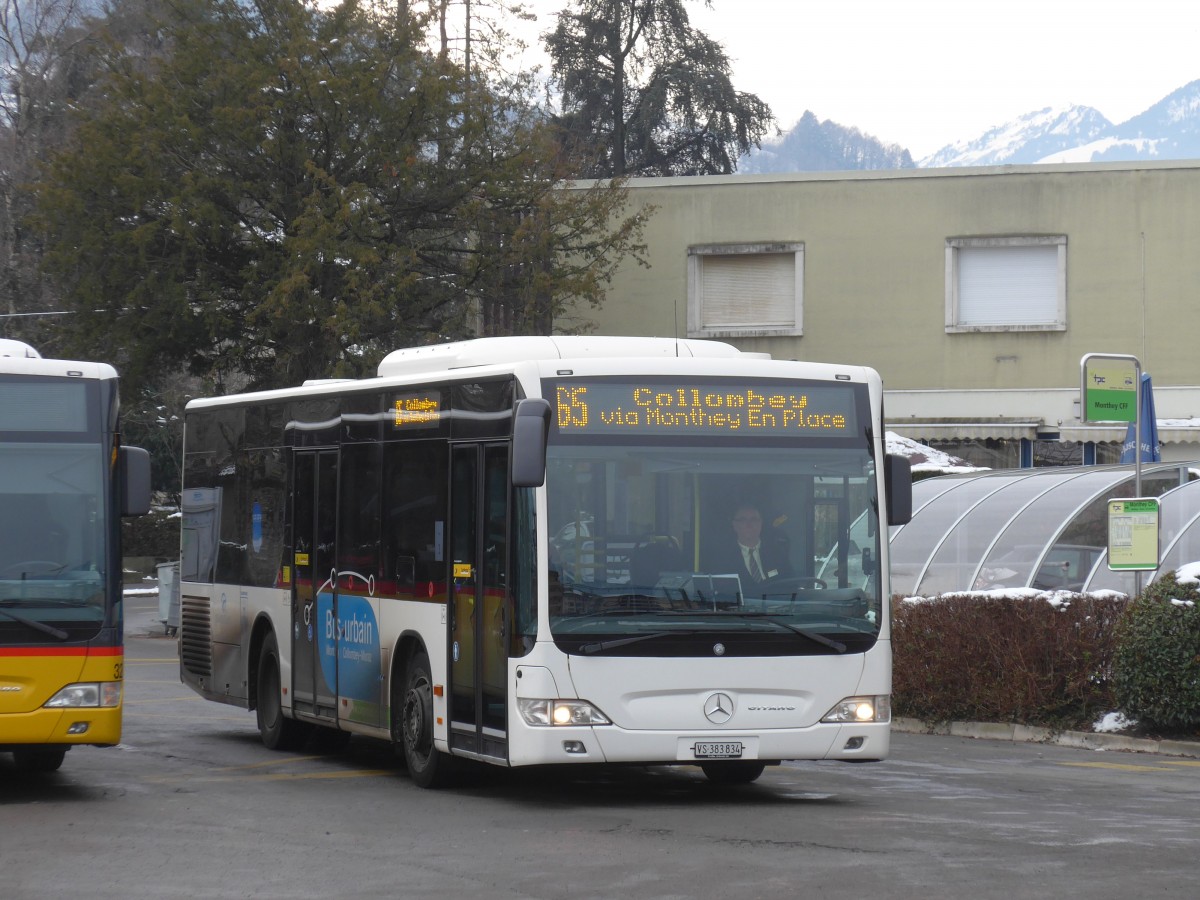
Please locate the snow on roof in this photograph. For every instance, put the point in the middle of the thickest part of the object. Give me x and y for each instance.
(927, 459)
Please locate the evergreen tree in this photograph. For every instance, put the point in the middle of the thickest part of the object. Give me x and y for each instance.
(286, 193)
(647, 93)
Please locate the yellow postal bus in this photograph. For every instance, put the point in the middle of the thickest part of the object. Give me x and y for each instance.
(65, 482)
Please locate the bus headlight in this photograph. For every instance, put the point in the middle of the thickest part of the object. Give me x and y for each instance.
(560, 712)
(88, 693)
(860, 710)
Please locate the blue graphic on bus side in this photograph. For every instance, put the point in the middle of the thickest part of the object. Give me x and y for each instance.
(256, 526)
(348, 646)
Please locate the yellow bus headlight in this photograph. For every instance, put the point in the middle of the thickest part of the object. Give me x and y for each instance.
(87, 693)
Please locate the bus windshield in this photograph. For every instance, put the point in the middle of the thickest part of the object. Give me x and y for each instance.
(52, 513)
(651, 542)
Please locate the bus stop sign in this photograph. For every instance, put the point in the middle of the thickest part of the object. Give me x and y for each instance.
(1109, 388)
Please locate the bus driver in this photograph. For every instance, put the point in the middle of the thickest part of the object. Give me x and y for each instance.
(755, 560)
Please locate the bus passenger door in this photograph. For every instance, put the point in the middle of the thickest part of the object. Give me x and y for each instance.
(314, 529)
(479, 537)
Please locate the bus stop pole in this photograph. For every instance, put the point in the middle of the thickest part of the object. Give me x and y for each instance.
(1137, 459)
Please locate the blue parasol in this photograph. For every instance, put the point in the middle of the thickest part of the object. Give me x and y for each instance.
(1149, 437)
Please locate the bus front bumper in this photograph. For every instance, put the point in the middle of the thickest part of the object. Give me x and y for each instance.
(608, 744)
(73, 725)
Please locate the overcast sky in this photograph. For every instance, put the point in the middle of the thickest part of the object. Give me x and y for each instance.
(927, 73)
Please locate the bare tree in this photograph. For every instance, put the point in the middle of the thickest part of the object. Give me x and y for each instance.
(39, 43)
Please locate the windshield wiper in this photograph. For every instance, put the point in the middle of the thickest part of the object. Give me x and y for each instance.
(56, 633)
(601, 646)
(803, 632)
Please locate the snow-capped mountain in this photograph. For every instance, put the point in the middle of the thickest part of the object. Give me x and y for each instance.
(1029, 139)
(1170, 129)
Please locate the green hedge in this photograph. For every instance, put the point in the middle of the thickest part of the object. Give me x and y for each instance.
(1157, 667)
(987, 659)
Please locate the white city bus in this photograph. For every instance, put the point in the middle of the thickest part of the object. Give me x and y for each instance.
(517, 550)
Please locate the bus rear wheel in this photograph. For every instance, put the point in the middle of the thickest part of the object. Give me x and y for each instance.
(733, 772)
(277, 731)
(39, 760)
(412, 717)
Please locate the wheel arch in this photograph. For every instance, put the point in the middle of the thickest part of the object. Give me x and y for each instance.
(408, 645)
(258, 635)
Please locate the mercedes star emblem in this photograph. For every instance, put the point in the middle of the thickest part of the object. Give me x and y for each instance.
(718, 708)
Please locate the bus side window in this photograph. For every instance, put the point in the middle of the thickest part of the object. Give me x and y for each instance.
(414, 513)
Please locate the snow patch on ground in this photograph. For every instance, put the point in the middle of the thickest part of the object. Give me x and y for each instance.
(1113, 722)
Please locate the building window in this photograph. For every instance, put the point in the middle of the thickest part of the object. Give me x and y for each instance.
(745, 290)
(1006, 284)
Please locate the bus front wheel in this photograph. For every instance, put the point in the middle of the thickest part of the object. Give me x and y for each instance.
(277, 731)
(427, 766)
(39, 760)
(733, 772)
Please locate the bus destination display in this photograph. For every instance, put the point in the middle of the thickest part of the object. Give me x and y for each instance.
(51, 406)
(775, 409)
(422, 410)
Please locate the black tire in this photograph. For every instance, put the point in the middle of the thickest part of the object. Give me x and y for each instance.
(412, 725)
(733, 772)
(278, 732)
(39, 760)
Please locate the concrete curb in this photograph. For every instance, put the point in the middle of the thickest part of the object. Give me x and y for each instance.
(1082, 740)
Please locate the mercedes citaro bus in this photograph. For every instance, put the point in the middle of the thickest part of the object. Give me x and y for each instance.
(516, 551)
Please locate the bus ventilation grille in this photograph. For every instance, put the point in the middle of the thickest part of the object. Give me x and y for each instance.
(195, 637)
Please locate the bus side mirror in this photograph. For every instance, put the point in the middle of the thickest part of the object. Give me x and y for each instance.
(898, 486)
(135, 481)
(531, 426)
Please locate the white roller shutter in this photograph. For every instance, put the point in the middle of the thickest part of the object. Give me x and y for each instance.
(745, 290)
(749, 291)
(1008, 285)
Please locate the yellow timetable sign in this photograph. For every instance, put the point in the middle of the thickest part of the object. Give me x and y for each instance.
(1133, 534)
